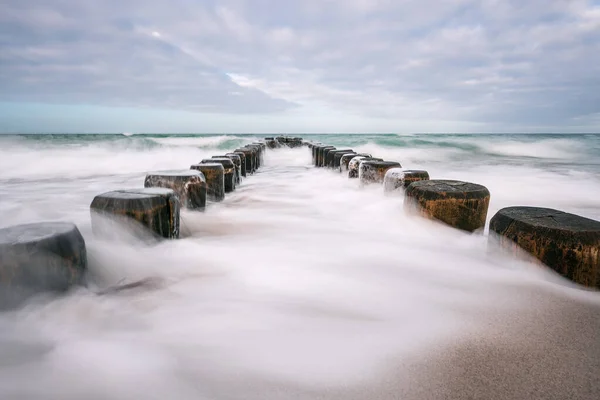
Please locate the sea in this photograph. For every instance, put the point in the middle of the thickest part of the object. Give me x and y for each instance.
(302, 284)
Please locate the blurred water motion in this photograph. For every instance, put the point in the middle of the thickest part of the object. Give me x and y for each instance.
(301, 285)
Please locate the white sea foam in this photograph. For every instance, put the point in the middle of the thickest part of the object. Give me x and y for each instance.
(300, 285)
(198, 141)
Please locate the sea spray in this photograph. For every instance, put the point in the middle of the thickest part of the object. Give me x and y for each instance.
(301, 285)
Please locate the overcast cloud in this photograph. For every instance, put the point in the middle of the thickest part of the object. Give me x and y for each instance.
(490, 64)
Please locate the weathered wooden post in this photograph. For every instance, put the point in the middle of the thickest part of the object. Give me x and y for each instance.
(316, 153)
(215, 179)
(237, 160)
(156, 209)
(255, 155)
(354, 165)
(40, 257)
(323, 157)
(397, 179)
(228, 171)
(250, 161)
(243, 161)
(189, 185)
(272, 143)
(462, 205)
(345, 160)
(325, 160)
(331, 155)
(337, 157)
(261, 151)
(567, 243)
(320, 151)
(373, 171)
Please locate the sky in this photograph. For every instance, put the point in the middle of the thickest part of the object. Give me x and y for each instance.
(270, 66)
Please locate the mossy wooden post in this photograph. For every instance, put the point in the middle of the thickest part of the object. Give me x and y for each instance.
(567, 243)
(228, 171)
(373, 171)
(237, 163)
(190, 186)
(249, 155)
(215, 179)
(398, 179)
(255, 156)
(40, 257)
(462, 205)
(237, 160)
(242, 157)
(156, 209)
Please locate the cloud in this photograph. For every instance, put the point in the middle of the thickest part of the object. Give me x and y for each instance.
(73, 53)
(503, 63)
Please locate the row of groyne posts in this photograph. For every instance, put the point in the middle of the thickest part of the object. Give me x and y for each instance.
(569, 244)
(51, 256)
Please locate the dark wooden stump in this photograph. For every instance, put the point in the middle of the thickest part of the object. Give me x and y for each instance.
(315, 153)
(398, 178)
(39, 257)
(296, 142)
(330, 158)
(313, 147)
(190, 186)
(346, 158)
(290, 141)
(373, 171)
(326, 156)
(259, 153)
(237, 162)
(156, 209)
(249, 154)
(228, 171)
(271, 142)
(337, 158)
(262, 147)
(243, 161)
(215, 179)
(255, 156)
(462, 205)
(321, 155)
(567, 243)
